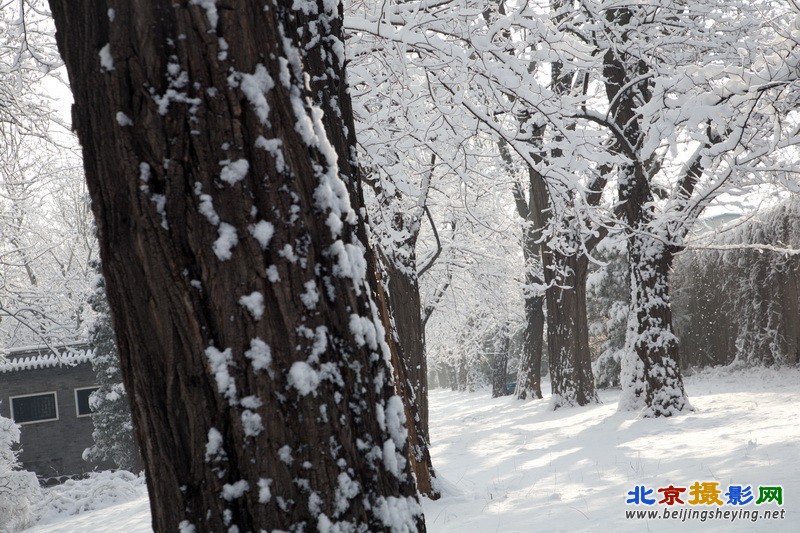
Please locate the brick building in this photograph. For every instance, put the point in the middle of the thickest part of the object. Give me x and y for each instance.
(47, 394)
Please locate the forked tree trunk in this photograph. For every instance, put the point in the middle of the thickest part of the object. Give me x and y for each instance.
(238, 274)
(651, 374)
(569, 358)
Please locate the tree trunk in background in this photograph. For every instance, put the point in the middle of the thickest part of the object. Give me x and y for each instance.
(570, 359)
(411, 371)
(452, 371)
(500, 363)
(529, 381)
(406, 308)
(529, 376)
(463, 377)
(237, 267)
(443, 376)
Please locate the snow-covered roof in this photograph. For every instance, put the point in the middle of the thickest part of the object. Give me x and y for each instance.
(35, 357)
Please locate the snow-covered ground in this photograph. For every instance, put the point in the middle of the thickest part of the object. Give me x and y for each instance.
(510, 466)
(518, 467)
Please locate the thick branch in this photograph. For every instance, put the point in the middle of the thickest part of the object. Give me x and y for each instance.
(429, 262)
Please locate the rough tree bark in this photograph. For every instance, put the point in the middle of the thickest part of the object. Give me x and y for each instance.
(529, 375)
(411, 372)
(654, 380)
(651, 376)
(401, 282)
(529, 380)
(570, 360)
(229, 214)
(569, 357)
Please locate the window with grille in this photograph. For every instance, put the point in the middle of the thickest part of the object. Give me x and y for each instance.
(40, 407)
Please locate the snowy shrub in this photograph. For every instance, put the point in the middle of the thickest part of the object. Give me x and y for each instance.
(608, 299)
(111, 414)
(606, 369)
(18, 488)
(99, 490)
(735, 303)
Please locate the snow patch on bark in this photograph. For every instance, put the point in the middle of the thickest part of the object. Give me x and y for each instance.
(222, 55)
(254, 303)
(274, 148)
(264, 494)
(310, 296)
(211, 11)
(255, 87)
(346, 489)
(219, 361)
(123, 120)
(303, 378)
(349, 262)
(260, 354)
(251, 422)
(363, 331)
(285, 454)
(227, 240)
(214, 448)
(232, 491)
(272, 274)
(395, 421)
(234, 171)
(262, 231)
(106, 61)
(390, 458)
(398, 514)
(206, 208)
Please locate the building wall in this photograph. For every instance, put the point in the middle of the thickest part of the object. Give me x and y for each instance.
(53, 448)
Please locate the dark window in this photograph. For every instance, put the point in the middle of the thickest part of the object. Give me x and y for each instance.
(82, 400)
(34, 408)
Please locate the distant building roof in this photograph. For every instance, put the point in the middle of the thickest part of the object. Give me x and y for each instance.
(715, 222)
(32, 357)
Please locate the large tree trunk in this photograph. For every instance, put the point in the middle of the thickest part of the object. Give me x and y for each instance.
(237, 266)
(651, 376)
(570, 360)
